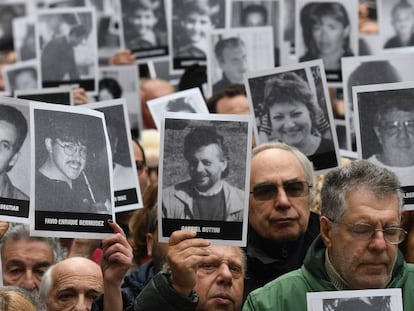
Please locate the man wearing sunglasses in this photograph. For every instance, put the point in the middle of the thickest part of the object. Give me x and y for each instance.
(358, 243)
(281, 226)
(61, 181)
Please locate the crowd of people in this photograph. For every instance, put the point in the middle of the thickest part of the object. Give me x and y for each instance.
(342, 231)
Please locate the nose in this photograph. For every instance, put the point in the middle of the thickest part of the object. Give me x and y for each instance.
(378, 242)
(29, 282)
(224, 275)
(289, 123)
(281, 200)
(82, 304)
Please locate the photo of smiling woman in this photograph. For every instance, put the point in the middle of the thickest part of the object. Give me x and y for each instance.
(326, 30)
(290, 111)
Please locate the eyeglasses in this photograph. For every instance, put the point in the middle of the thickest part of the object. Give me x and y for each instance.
(140, 166)
(393, 127)
(268, 191)
(70, 149)
(365, 232)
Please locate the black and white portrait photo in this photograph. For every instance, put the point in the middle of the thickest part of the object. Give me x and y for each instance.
(67, 45)
(385, 130)
(9, 10)
(397, 23)
(21, 76)
(62, 95)
(204, 169)
(72, 179)
(328, 30)
(14, 160)
(127, 192)
(24, 38)
(372, 69)
(258, 14)
(233, 52)
(291, 105)
(122, 81)
(189, 101)
(190, 23)
(389, 299)
(144, 26)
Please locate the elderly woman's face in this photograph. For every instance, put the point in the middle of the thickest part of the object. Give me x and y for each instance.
(291, 122)
(329, 35)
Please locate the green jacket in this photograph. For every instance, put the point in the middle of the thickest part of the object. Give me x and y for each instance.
(288, 292)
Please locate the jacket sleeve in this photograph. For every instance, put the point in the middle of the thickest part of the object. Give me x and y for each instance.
(158, 294)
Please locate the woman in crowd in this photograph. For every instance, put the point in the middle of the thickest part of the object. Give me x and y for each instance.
(326, 29)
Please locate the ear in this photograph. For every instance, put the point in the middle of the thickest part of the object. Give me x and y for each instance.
(48, 144)
(14, 158)
(326, 231)
(150, 240)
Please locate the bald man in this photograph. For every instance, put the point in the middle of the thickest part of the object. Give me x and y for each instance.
(71, 284)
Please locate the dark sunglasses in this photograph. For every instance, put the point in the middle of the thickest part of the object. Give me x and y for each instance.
(268, 191)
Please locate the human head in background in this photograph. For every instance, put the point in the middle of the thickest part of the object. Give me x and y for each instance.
(402, 19)
(13, 132)
(23, 79)
(232, 100)
(326, 33)
(394, 128)
(71, 284)
(358, 200)
(67, 147)
(14, 298)
(141, 165)
(151, 89)
(231, 57)
(25, 258)
(276, 213)
(109, 88)
(254, 15)
(292, 111)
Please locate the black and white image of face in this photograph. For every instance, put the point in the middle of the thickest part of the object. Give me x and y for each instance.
(21, 76)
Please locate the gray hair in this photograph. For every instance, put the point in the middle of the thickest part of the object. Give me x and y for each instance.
(359, 174)
(21, 231)
(307, 165)
(46, 286)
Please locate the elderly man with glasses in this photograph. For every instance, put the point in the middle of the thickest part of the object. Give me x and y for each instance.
(61, 183)
(358, 243)
(281, 225)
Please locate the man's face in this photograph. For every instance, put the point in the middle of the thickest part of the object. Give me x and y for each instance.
(75, 40)
(220, 280)
(68, 165)
(197, 26)
(76, 283)
(255, 19)
(206, 166)
(233, 63)
(368, 264)
(282, 218)
(8, 137)
(403, 22)
(396, 136)
(24, 262)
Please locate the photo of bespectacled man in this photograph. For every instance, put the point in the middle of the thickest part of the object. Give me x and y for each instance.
(66, 42)
(204, 170)
(14, 160)
(71, 174)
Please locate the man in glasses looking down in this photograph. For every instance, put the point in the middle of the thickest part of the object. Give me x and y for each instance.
(361, 206)
(61, 183)
(281, 226)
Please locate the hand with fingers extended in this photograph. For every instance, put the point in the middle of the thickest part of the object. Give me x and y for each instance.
(185, 254)
(116, 261)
